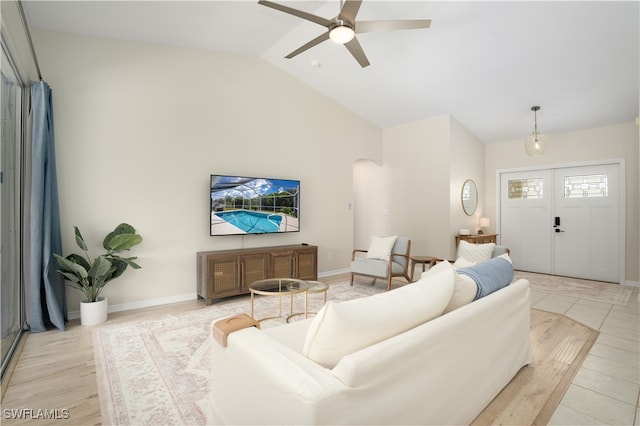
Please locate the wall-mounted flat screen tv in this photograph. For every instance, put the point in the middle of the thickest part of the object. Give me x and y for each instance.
(254, 205)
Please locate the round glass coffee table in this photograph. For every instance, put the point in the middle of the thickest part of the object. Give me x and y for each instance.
(318, 287)
(314, 287)
(279, 287)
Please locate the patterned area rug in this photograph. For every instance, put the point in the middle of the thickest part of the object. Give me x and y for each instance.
(156, 371)
(575, 287)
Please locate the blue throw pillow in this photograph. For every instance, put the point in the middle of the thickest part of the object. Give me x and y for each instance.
(489, 276)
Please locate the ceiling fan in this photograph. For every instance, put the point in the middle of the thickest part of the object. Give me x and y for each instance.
(343, 28)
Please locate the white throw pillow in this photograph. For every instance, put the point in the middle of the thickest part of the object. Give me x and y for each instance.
(475, 252)
(346, 327)
(464, 291)
(380, 247)
(461, 262)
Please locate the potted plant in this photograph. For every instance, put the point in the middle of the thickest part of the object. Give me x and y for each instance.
(91, 275)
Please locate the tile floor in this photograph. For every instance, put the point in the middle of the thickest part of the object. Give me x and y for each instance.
(606, 389)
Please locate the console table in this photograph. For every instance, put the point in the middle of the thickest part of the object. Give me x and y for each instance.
(477, 238)
(225, 273)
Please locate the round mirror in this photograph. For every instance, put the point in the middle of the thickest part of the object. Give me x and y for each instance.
(469, 197)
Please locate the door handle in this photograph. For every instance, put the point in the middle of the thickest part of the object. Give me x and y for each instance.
(559, 230)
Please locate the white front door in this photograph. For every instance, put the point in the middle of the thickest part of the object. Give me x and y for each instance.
(525, 218)
(587, 207)
(564, 221)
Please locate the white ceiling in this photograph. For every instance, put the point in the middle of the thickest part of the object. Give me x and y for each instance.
(486, 63)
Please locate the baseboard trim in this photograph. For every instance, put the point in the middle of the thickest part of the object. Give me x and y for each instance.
(632, 283)
(142, 304)
(334, 272)
(174, 299)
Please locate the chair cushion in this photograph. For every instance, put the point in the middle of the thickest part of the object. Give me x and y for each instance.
(401, 247)
(343, 328)
(375, 267)
(380, 247)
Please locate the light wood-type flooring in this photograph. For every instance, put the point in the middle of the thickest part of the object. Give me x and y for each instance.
(56, 370)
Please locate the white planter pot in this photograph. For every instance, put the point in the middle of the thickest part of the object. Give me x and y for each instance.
(94, 312)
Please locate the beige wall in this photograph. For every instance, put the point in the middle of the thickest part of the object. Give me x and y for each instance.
(603, 143)
(467, 162)
(369, 201)
(426, 164)
(140, 127)
(416, 165)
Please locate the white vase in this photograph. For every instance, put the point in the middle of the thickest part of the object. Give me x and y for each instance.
(93, 312)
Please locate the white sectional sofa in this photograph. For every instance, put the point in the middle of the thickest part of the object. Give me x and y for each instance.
(392, 358)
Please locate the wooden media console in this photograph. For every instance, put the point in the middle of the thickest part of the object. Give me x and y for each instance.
(225, 273)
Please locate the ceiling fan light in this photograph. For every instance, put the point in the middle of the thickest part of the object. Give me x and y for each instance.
(342, 34)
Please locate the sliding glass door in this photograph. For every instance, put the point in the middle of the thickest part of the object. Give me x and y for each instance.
(11, 300)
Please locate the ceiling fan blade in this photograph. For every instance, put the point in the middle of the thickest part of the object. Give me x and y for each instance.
(309, 45)
(299, 13)
(370, 26)
(356, 50)
(349, 10)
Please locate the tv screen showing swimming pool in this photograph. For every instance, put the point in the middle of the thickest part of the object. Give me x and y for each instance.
(254, 205)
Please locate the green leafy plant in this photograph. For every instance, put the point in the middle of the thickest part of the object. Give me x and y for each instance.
(90, 276)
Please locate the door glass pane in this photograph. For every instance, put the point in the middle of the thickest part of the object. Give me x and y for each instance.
(586, 186)
(526, 188)
(10, 287)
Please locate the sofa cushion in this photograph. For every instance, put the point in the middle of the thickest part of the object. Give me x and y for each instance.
(346, 327)
(475, 252)
(380, 247)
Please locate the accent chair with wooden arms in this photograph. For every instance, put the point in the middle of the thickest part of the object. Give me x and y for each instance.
(376, 265)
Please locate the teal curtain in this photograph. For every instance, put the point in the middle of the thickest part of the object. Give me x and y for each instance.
(47, 295)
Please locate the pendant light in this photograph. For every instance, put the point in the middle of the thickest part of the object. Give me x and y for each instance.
(536, 143)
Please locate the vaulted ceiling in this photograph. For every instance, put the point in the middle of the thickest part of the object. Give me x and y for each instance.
(485, 63)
